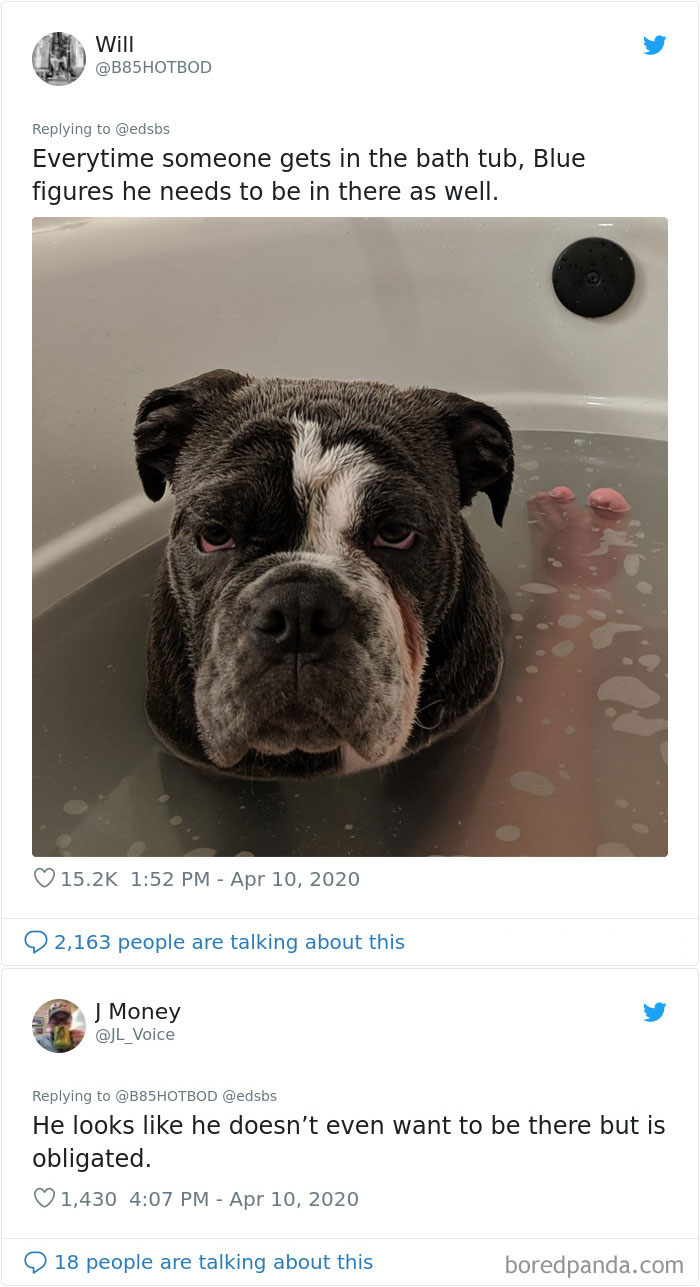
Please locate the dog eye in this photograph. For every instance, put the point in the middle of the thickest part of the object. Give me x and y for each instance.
(395, 536)
(214, 538)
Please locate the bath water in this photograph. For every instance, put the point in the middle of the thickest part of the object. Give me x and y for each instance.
(568, 759)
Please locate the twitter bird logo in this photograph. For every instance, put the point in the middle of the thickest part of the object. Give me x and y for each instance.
(654, 46)
(654, 1012)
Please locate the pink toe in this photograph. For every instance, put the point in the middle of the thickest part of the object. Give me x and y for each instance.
(608, 498)
(562, 494)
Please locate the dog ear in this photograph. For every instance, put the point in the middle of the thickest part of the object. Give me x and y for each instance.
(482, 445)
(166, 418)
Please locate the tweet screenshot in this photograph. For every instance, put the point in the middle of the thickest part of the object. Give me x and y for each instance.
(350, 674)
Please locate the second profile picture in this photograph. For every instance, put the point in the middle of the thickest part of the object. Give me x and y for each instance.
(58, 1026)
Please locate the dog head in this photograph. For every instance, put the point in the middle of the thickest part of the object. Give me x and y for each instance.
(315, 547)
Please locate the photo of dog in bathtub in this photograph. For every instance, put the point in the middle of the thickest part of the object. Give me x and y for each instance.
(322, 606)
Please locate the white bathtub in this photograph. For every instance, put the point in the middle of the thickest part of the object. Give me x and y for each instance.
(125, 305)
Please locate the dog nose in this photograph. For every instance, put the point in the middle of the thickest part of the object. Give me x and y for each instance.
(296, 616)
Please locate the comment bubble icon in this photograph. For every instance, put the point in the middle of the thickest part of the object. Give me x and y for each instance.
(35, 1260)
(36, 940)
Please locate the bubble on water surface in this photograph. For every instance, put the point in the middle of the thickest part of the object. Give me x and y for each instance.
(637, 724)
(650, 661)
(508, 834)
(602, 636)
(75, 806)
(532, 783)
(629, 690)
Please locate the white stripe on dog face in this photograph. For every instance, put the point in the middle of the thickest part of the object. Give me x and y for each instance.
(328, 483)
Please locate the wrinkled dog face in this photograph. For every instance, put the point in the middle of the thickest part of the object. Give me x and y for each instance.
(316, 545)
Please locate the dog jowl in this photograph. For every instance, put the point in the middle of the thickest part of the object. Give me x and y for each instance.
(322, 605)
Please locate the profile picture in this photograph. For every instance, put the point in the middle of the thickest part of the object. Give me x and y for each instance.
(59, 58)
(58, 1026)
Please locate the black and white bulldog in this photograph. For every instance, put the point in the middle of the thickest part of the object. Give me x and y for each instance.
(322, 605)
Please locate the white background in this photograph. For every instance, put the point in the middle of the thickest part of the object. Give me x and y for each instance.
(571, 76)
(567, 1044)
(288, 76)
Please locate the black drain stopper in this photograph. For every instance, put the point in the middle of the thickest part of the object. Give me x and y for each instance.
(593, 277)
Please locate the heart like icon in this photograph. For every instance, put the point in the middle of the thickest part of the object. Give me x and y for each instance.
(44, 876)
(44, 1196)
